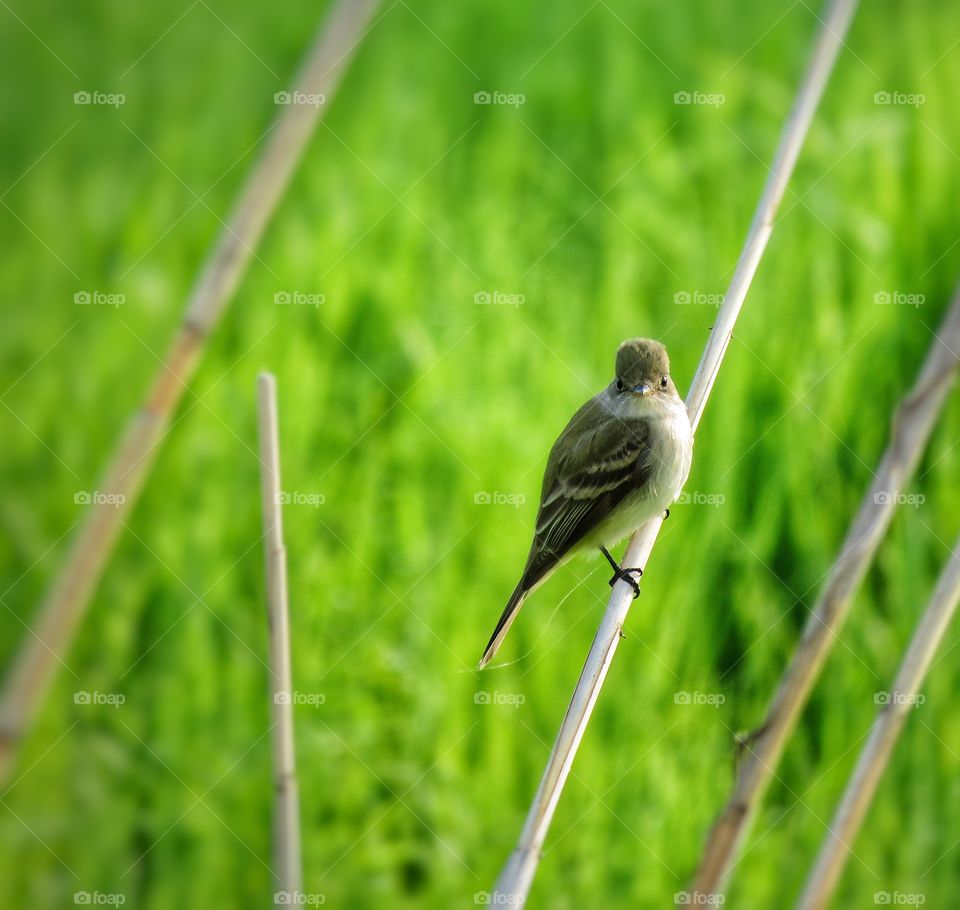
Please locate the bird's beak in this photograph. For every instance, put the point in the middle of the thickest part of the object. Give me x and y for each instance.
(642, 390)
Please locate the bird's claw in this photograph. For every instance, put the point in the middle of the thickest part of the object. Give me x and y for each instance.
(620, 572)
(624, 574)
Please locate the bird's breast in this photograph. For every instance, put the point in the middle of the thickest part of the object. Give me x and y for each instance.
(671, 451)
(675, 440)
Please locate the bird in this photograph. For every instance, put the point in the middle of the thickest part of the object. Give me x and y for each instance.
(622, 459)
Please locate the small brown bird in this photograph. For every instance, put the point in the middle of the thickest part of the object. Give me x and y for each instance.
(623, 458)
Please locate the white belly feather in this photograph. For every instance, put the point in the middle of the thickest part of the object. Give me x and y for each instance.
(672, 442)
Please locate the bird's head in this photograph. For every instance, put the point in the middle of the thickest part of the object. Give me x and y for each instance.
(643, 370)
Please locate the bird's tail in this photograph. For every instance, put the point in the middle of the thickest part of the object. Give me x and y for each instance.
(506, 620)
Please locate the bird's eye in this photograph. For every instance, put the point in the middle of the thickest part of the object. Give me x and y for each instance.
(619, 384)
(663, 382)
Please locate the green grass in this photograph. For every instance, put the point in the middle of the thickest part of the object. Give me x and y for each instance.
(401, 399)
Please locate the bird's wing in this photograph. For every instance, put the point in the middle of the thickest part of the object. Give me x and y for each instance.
(595, 463)
(602, 459)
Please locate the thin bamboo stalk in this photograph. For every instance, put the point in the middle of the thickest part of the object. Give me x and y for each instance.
(517, 876)
(286, 822)
(912, 426)
(67, 600)
(883, 736)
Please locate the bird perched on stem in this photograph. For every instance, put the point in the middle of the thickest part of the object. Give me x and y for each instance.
(623, 458)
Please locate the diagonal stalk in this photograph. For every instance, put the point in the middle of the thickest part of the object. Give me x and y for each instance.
(871, 764)
(912, 425)
(67, 600)
(517, 876)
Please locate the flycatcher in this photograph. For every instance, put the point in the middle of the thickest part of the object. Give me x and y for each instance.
(623, 458)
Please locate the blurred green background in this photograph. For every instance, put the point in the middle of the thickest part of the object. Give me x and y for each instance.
(598, 200)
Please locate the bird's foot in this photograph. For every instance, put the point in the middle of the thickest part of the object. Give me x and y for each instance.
(628, 578)
(621, 572)
(666, 514)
